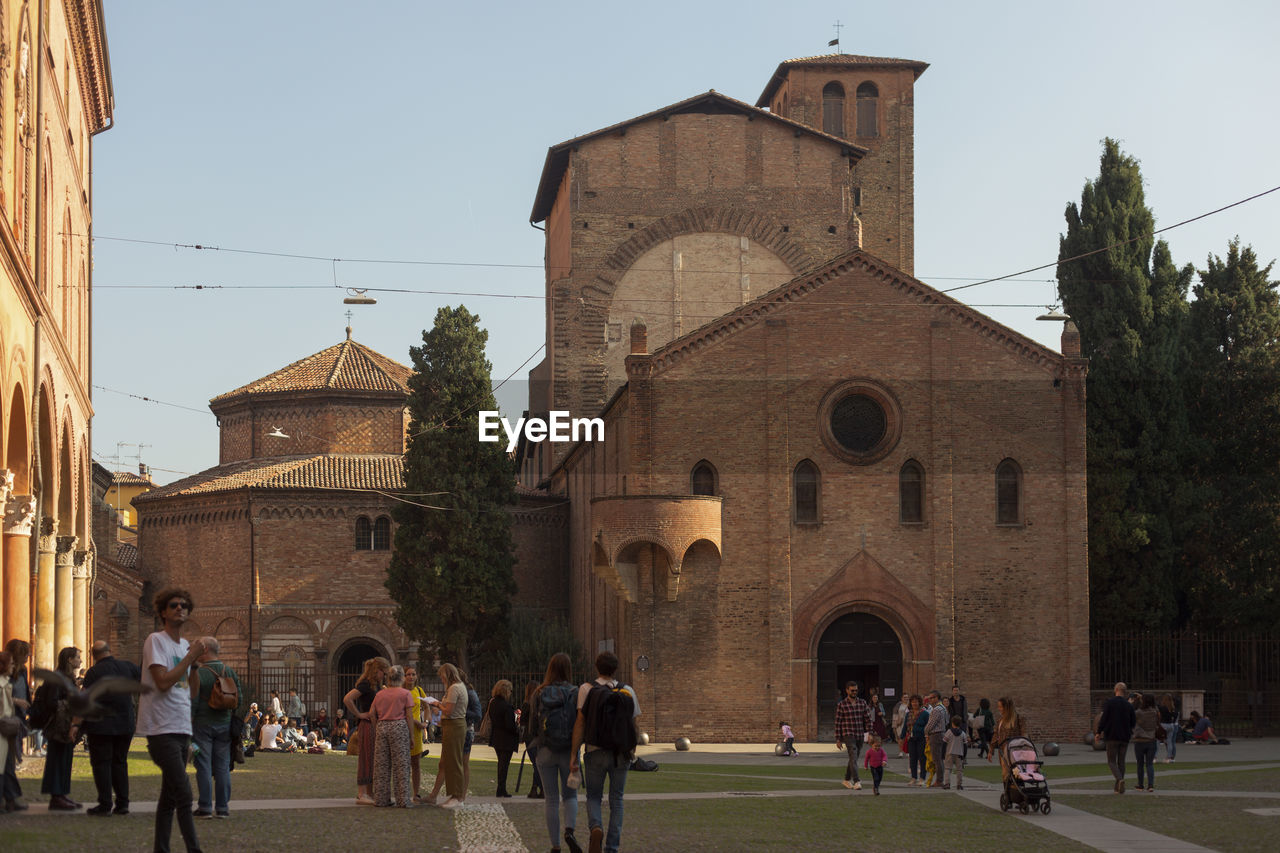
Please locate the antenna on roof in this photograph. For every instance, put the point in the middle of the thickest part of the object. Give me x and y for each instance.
(835, 42)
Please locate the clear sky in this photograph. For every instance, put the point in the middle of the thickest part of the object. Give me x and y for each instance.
(416, 131)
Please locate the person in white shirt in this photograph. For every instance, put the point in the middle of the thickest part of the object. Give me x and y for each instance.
(164, 714)
(269, 735)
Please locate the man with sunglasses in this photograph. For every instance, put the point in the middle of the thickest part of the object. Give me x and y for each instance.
(164, 714)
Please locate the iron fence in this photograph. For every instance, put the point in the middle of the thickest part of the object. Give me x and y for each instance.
(1237, 675)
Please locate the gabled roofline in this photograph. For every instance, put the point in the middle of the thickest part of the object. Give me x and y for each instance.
(557, 161)
(796, 290)
(836, 60)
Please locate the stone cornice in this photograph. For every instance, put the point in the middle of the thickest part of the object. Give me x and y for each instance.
(93, 65)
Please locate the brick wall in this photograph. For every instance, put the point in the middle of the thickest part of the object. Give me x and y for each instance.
(317, 424)
(740, 638)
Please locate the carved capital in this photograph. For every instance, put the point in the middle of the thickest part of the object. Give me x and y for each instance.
(82, 567)
(65, 553)
(19, 515)
(6, 485)
(48, 534)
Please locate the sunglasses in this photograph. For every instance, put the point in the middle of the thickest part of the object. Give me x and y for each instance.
(175, 605)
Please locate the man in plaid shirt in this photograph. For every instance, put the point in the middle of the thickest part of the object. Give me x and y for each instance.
(853, 721)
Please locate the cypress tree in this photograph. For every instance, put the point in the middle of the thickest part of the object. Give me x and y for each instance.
(1235, 392)
(1129, 318)
(451, 572)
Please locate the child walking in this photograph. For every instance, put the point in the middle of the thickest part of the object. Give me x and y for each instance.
(954, 740)
(789, 739)
(874, 762)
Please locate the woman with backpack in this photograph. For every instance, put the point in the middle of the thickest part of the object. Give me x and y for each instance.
(556, 701)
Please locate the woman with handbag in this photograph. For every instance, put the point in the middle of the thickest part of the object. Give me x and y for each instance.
(504, 732)
(62, 731)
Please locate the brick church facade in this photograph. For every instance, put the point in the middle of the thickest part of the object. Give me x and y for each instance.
(816, 467)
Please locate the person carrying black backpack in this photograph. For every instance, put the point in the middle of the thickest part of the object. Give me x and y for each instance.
(606, 726)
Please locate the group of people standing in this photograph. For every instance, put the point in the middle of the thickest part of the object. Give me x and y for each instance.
(1140, 719)
(934, 735)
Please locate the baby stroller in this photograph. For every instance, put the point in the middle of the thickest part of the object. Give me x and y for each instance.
(1025, 788)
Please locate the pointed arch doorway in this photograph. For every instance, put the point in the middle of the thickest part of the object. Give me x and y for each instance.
(857, 647)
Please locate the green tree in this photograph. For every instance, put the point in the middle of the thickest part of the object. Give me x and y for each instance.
(1234, 389)
(1130, 308)
(451, 572)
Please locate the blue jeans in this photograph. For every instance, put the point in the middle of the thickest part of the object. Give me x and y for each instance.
(1171, 735)
(1144, 753)
(213, 766)
(596, 765)
(553, 770)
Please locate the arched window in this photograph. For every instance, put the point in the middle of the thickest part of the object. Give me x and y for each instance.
(868, 99)
(805, 489)
(364, 534)
(702, 481)
(382, 534)
(1008, 493)
(833, 109)
(911, 493)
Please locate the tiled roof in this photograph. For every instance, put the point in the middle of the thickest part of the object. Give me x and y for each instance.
(347, 366)
(342, 471)
(129, 478)
(127, 555)
(830, 59)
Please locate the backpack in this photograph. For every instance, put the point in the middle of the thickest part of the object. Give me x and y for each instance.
(610, 717)
(557, 712)
(224, 696)
(43, 706)
(474, 712)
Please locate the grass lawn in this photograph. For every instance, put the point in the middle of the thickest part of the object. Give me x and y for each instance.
(863, 823)
(1219, 823)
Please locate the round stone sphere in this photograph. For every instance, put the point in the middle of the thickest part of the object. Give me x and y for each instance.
(682, 744)
(643, 739)
(1051, 748)
(779, 749)
(1088, 739)
(1099, 744)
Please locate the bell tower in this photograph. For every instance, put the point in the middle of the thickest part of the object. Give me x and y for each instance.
(869, 101)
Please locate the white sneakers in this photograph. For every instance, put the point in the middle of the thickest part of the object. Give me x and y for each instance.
(451, 803)
(847, 783)
(857, 786)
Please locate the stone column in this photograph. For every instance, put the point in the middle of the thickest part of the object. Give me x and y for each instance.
(43, 650)
(63, 599)
(80, 571)
(19, 518)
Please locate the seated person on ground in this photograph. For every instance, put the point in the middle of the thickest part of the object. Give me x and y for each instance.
(340, 735)
(269, 737)
(293, 738)
(1202, 729)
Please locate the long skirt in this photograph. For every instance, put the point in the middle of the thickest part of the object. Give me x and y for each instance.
(364, 766)
(453, 733)
(391, 763)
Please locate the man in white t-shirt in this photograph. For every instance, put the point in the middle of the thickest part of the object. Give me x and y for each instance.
(599, 764)
(164, 714)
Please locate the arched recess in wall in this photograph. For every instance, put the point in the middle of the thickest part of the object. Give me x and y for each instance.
(48, 459)
(66, 483)
(17, 443)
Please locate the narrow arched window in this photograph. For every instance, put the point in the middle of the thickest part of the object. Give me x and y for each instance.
(1008, 493)
(868, 103)
(805, 489)
(833, 109)
(702, 481)
(382, 534)
(911, 493)
(364, 534)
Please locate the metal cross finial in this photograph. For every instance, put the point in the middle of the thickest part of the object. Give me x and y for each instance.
(838, 27)
(348, 316)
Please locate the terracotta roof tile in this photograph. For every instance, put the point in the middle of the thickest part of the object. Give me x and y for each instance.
(129, 478)
(344, 471)
(126, 555)
(347, 366)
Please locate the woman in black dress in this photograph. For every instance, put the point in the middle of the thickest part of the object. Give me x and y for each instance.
(529, 735)
(61, 738)
(504, 735)
(359, 701)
